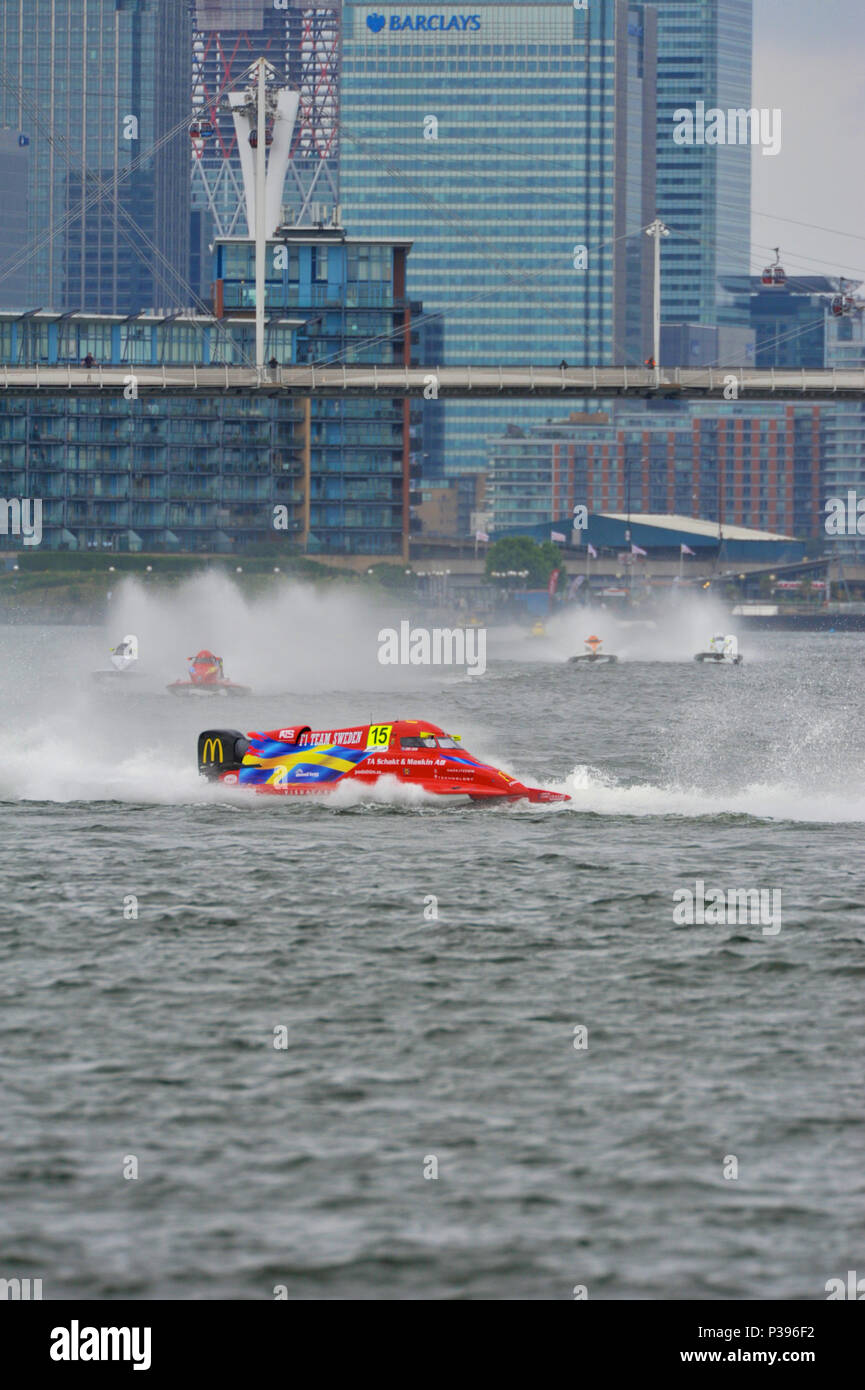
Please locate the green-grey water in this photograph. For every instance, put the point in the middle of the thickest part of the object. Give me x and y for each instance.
(422, 969)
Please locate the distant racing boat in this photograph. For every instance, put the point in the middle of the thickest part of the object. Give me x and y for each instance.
(123, 658)
(206, 678)
(594, 653)
(721, 651)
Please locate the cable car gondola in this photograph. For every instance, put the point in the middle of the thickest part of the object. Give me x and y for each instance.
(843, 303)
(774, 274)
(253, 139)
(199, 130)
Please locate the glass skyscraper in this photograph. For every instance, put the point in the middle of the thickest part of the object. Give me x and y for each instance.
(704, 190)
(14, 188)
(99, 89)
(513, 145)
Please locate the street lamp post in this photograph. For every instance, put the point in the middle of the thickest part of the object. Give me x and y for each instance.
(657, 229)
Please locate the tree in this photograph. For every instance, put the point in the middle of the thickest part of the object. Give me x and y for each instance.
(552, 559)
(522, 553)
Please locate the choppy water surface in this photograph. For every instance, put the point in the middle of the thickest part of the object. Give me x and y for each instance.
(413, 1037)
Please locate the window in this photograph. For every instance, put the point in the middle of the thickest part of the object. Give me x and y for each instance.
(319, 264)
(428, 741)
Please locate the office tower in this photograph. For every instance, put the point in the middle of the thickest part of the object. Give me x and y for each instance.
(844, 435)
(703, 189)
(513, 144)
(100, 90)
(14, 197)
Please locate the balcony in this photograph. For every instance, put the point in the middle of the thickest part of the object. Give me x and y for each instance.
(149, 515)
(89, 488)
(186, 490)
(250, 518)
(248, 440)
(79, 513)
(246, 466)
(42, 462)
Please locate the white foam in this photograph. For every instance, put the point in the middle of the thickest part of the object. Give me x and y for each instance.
(592, 790)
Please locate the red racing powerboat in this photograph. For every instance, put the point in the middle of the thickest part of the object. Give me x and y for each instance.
(206, 677)
(299, 760)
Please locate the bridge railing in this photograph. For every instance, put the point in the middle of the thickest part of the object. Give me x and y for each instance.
(732, 383)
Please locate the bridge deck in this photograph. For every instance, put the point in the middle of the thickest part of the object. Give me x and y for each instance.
(676, 383)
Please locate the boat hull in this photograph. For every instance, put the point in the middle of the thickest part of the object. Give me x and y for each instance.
(297, 762)
(213, 689)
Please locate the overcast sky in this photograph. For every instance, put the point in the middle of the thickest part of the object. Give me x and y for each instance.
(809, 60)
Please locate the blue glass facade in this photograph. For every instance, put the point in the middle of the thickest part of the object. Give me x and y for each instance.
(349, 294)
(845, 429)
(14, 196)
(158, 473)
(704, 191)
(499, 139)
(205, 473)
(100, 91)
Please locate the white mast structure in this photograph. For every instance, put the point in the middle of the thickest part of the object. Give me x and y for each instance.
(657, 229)
(264, 163)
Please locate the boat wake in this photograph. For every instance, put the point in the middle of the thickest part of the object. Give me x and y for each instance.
(49, 768)
(594, 791)
(48, 771)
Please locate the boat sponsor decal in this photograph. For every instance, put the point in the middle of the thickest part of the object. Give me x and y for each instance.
(345, 738)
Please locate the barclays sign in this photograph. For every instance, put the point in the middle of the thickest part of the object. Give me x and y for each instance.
(423, 23)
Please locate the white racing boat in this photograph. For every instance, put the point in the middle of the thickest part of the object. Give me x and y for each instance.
(722, 651)
(124, 659)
